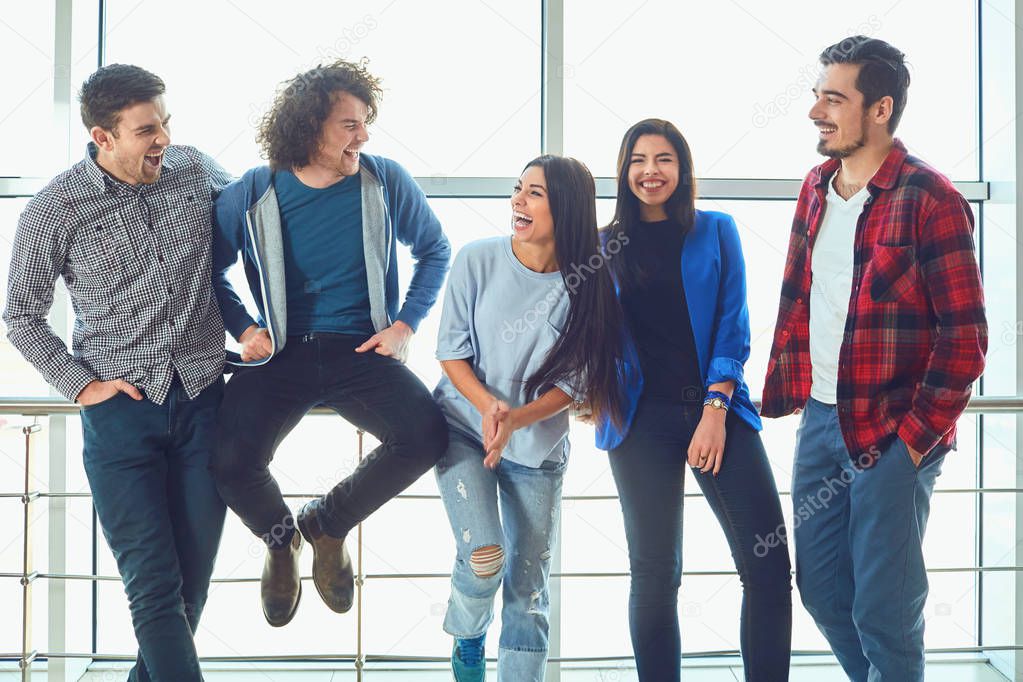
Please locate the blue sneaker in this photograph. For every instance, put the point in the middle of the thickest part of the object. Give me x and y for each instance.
(468, 660)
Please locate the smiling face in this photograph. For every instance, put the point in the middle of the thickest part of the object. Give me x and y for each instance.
(343, 134)
(532, 222)
(133, 151)
(653, 175)
(843, 125)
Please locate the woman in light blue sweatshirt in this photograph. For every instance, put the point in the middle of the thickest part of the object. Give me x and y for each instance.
(530, 323)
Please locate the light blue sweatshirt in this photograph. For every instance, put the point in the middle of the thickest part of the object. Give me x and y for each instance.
(503, 318)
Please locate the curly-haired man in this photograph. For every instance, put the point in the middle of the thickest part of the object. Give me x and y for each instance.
(317, 231)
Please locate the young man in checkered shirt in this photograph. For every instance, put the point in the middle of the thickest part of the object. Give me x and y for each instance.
(881, 333)
(128, 229)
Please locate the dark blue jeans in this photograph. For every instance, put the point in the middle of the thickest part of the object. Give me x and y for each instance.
(859, 548)
(148, 467)
(649, 470)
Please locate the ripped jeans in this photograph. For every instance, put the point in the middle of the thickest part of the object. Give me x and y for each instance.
(505, 524)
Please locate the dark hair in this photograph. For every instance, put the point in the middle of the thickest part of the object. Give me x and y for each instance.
(680, 207)
(883, 71)
(289, 133)
(114, 88)
(590, 346)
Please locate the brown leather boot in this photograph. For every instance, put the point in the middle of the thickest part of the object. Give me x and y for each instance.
(332, 567)
(280, 587)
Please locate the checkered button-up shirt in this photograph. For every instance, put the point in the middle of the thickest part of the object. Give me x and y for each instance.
(136, 263)
(916, 333)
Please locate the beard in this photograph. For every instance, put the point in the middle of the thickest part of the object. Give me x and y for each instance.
(849, 149)
(841, 152)
(128, 170)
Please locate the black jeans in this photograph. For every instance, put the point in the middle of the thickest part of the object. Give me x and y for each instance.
(649, 470)
(375, 393)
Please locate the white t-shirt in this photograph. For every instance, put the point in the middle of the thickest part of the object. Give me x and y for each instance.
(831, 265)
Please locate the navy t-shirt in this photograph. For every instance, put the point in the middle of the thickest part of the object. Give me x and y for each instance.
(324, 263)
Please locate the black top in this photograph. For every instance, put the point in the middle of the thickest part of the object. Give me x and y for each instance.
(658, 316)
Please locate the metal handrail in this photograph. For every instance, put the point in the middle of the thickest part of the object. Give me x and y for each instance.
(437, 576)
(41, 407)
(565, 498)
(47, 406)
(391, 658)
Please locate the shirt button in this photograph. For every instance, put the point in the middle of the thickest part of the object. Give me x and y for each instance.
(785, 333)
(170, 290)
(159, 257)
(170, 322)
(799, 300)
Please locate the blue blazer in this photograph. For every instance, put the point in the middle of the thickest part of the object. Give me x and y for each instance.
(714, 279)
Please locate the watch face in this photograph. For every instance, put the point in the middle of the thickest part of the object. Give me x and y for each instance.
(718, 403)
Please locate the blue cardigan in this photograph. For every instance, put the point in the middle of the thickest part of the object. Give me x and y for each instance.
(394, 209)
(714, 279)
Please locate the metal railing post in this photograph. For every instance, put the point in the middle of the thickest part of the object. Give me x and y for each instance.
(360, 658)
(28, 574)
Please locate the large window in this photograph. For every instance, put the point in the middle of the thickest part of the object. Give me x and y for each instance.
(736, 79)
(458, 100)
(28, 43)
(464, 104)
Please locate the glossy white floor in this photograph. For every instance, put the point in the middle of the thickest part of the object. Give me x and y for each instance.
(804, 669)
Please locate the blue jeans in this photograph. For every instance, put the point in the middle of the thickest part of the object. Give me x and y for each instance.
(859, 558)
(649, 471)
(148, 467)
(517, 509)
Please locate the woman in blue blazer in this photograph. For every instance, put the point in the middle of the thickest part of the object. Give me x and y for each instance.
(687, 401)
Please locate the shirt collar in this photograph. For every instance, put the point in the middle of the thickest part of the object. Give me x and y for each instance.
(888, 174)
(885, 177)
(97, 176)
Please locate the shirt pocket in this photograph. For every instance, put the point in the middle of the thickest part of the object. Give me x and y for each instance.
(102, 249)
(522, 357)
(547, 336)
(189, 225)
(892, 273)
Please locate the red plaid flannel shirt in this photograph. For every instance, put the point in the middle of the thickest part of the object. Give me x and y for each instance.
(916, 333)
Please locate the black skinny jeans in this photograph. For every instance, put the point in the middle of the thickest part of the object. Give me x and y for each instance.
(375, 393)
(649, 468)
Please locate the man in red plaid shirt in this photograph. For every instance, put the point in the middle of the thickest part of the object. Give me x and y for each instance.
(881, 333)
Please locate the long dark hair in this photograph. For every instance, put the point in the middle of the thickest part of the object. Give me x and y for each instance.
(680, 207)
(590, 347)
